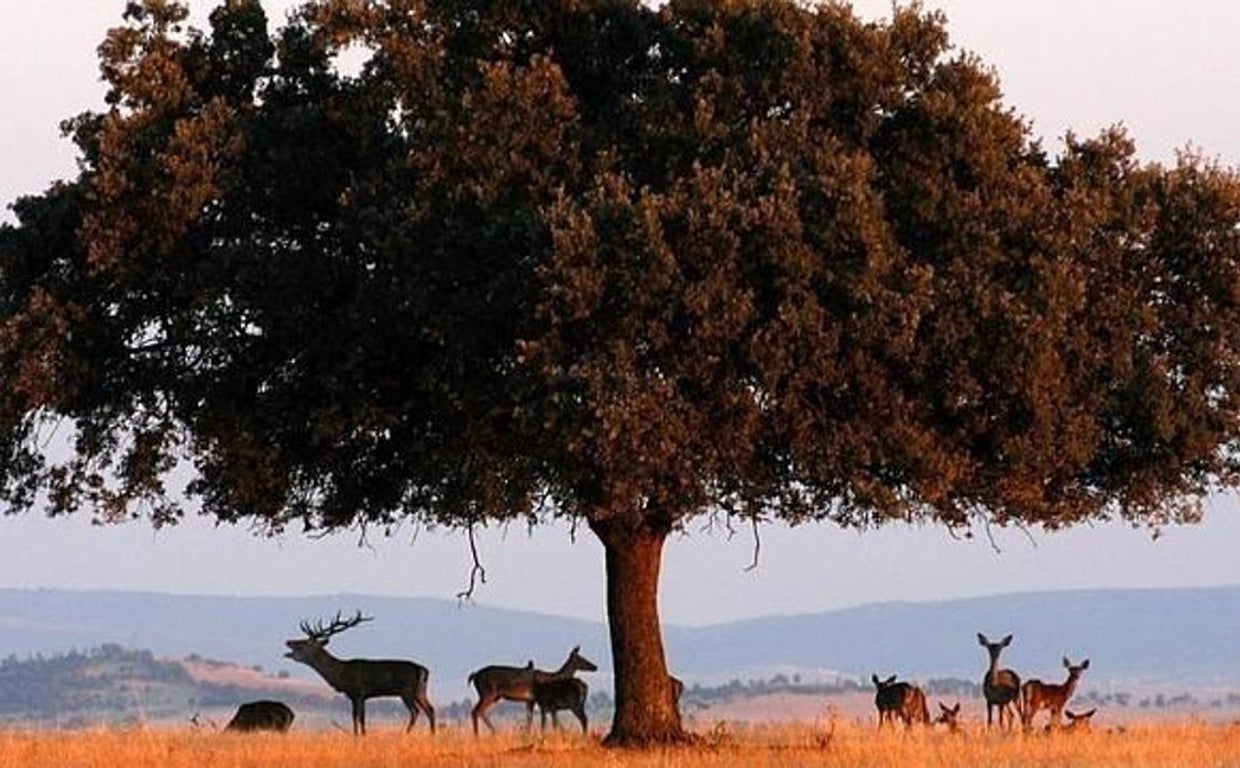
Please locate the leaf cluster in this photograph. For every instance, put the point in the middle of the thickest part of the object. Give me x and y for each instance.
(462, 261)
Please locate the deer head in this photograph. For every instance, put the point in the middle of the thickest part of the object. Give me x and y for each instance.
(317, 636)
(949, 716)
(985, 641)
(1075, 669)
(578, 663)
(1079, 721)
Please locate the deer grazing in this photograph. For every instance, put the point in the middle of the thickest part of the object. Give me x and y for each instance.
(1036, 695)
(498, 683)
(903, 700)
(949, 716)
(261, 716)
(556, 693)
(362, 679)
(1001, 687)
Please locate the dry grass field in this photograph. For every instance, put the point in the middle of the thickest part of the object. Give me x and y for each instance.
(1183, 745)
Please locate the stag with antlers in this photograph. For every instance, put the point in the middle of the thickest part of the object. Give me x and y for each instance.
(1037, 695)
(362, 679)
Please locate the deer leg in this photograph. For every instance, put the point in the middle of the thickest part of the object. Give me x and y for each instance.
(480, 711)
(413, 714)
(580, 712)
(529, 716)
(359, 717)
(542, 720)
(425, 703)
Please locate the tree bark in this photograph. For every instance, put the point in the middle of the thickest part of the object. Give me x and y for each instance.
(646, 710)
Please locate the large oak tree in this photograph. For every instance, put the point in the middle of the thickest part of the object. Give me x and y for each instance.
(463, 262)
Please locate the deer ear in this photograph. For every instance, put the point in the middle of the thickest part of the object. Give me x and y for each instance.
(874, 677)
(1006, 641)
(981, 639)
(1085, 664)
(1067, 663)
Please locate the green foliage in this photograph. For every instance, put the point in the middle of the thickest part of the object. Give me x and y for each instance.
(632, 263)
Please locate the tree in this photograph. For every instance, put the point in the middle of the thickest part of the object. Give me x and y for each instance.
(626, 265)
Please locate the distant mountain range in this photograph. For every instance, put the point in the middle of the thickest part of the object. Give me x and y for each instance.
(1186, 636)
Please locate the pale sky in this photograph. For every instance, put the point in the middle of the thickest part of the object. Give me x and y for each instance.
(1168, 70)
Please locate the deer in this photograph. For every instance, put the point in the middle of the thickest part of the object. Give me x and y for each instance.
(262, 715)
(1001, 687)
(361, 679)
(496, 683)
(903, 700)
(1036, 695)
(1078, 723)
(949, 716)
(556, 693)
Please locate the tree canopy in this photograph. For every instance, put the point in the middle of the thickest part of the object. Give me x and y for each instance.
(465, 262)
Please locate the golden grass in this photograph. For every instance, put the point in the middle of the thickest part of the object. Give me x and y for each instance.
(1184, 745)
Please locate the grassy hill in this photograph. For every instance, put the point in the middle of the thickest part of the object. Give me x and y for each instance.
(1133, 637)
(116, 684)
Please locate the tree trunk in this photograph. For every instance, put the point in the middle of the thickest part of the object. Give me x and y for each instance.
(646, 711)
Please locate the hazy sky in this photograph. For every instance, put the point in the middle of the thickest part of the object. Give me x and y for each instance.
(1170, 71)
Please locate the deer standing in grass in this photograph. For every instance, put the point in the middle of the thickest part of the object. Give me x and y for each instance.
(1001, 687)
(1036, 695)
(262, 715)
(362, 679)
(496, 683)
(903, 700)
(556, 693)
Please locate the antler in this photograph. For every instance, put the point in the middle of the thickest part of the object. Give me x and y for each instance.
(338, 625)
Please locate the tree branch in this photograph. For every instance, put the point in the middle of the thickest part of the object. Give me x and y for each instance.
(991, 537)
(1025, 530)
(477, 574)
(757, 546)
